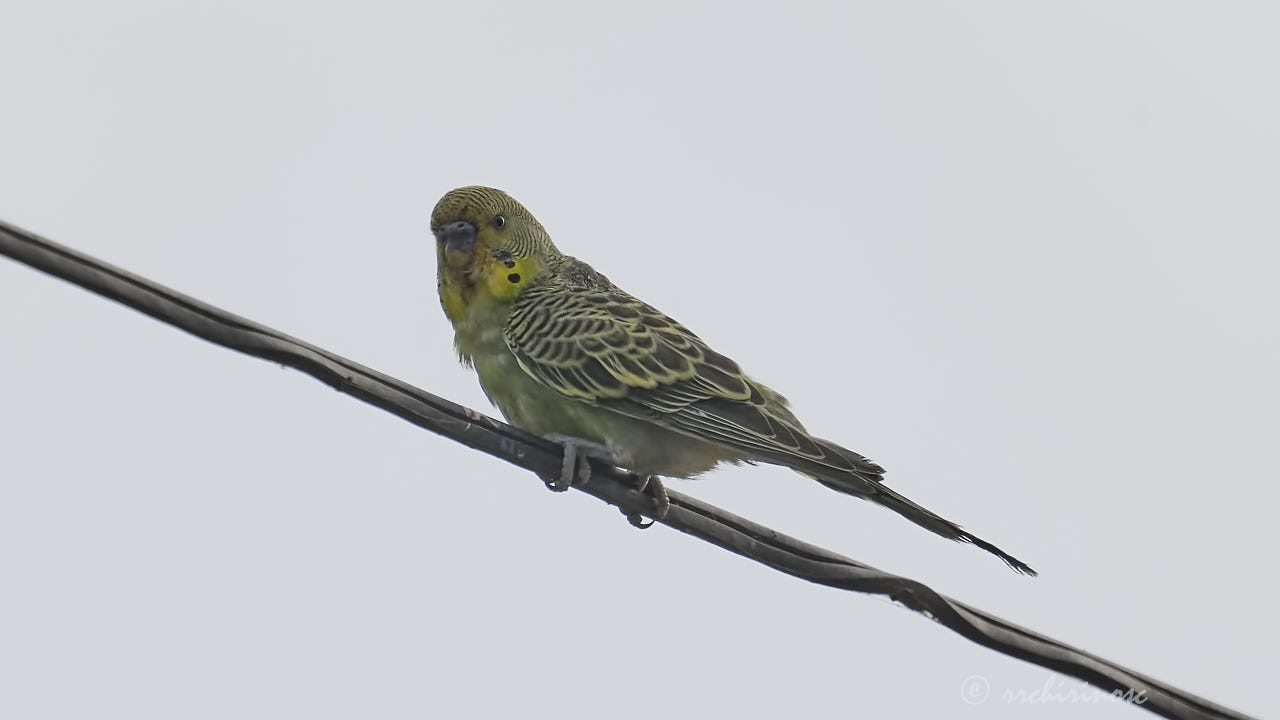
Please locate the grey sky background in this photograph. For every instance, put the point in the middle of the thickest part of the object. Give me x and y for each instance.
(1024, 256)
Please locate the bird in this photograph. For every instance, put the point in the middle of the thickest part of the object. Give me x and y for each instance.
(564, 353)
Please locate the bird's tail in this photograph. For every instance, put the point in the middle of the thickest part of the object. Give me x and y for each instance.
(869, 486)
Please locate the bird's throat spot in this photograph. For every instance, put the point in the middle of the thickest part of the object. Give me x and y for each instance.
(507, 282)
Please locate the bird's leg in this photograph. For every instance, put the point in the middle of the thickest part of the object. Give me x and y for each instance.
(650, 485)
(575, 468)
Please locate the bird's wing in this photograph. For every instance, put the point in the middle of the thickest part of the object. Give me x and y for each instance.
(604, 347)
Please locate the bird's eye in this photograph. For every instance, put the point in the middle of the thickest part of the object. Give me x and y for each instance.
(499, 221)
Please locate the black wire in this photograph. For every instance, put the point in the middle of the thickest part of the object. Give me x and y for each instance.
(688, 515)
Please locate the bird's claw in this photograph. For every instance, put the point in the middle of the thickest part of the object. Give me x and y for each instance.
(650, 485)
(575, 469)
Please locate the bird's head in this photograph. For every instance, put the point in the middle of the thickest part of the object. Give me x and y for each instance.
(488, 247)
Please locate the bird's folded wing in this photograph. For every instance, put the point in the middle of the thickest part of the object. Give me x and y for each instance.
(604, 347)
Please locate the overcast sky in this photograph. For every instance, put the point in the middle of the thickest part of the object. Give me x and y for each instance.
(1024, 257)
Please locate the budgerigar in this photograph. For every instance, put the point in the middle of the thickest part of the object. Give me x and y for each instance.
(566, 354)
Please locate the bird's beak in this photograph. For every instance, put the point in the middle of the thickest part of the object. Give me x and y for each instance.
(458, 240)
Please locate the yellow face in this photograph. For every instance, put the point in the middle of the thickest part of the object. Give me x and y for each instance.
(488, 248)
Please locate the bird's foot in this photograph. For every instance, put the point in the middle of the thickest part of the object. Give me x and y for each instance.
(575, 469)
(650, 485)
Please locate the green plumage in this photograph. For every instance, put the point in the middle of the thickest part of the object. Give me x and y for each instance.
(570, 354)
(593, 343)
